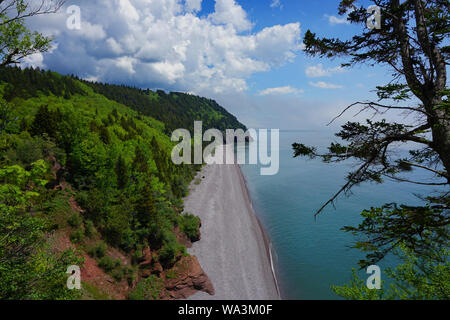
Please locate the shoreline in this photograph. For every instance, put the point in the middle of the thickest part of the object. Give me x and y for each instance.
(234, 250)
(267, 242)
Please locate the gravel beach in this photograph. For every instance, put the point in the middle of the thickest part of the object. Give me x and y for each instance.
(233, 249)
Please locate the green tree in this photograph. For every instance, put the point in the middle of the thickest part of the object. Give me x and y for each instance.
(417, 277)
(6, 116)
(145, 207)
(410, 42)
(104, 134)
(46, 121)
(16, 40)
(140, 163)
(121, 173)
(27, 269)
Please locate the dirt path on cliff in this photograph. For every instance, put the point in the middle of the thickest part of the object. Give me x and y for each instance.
(231, 251)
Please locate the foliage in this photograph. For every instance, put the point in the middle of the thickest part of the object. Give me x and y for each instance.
(108, 264)
(176, 109)
(416, 278)
(357, 290)
(17, 41)
(28, 270)
(411, 41)
(75, 220)
(147, 289)
(76, 236)
(97, 250)
(110, 160)
(190, 225)
(418, 228)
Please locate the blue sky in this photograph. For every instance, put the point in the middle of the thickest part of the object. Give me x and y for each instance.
(245, 54)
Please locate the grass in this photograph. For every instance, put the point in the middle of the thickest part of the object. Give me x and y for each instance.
(92, 293)
(147, 289)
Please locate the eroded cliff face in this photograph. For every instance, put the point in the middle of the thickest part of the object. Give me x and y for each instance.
(189, 279)
(180, 280)
(183, 279)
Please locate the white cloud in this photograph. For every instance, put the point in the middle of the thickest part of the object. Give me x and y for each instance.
(280, 90)
(335, 20)
(35, 60)
(228, 12)
(91, 31)
(325, 85)
(276, 4)
(128, 10)
(165, 43)
(318, 71)
(193, 5)
(126, 64)
(114, 46)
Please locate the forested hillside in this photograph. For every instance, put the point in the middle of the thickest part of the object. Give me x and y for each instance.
(176, 109)
(86, 180)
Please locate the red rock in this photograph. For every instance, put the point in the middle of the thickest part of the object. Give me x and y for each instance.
(182, 238)
(190, 278)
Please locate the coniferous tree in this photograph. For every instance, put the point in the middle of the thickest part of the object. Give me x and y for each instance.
(140, 163)
(411, 41)
(121, 173)
(46, 121)
(104, 134)
(146, 209)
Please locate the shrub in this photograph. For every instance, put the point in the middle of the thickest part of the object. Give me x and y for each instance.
(75, 220)
(130, 273)
(97, 250)
(137, 254)
(124, 272)
(77, 236)
(89, 229)
(108, 264)
(147, 289)
(170, 252)
(118, 274)
(190, 225)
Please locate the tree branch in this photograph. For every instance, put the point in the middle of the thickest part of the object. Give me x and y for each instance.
(374, 105)
(441, 173)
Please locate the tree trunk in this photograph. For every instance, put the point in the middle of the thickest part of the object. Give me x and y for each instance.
(440, 128)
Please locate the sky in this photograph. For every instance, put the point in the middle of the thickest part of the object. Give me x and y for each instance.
(247, 55)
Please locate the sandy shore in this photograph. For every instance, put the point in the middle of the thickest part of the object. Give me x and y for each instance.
(233, 250)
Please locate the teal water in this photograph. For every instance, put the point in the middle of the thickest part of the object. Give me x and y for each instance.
(311, 255)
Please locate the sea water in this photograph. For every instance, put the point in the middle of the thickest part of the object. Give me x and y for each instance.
(311, 255)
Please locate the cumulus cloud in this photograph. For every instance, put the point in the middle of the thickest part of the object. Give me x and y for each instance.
(280, 90)
(318, 71)
(325, 85)
(228, 12)
(335, 20)
(167, 44)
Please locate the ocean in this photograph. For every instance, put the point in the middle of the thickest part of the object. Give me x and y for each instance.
(311, 255)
